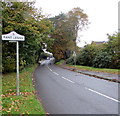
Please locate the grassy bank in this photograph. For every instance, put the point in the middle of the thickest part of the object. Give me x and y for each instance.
(26, 102)
(60, 62)
(113, 71)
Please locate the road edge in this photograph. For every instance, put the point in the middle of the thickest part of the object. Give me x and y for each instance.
(36, 93)
(95, 76)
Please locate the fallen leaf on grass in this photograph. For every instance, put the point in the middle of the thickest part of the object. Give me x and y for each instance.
(0, 107)
(2, 95)
(26, 93)
(8, 111)
(27, 112)
(13, 93)
(17, 101)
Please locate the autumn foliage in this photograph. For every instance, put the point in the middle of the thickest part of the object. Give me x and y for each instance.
(66, 32)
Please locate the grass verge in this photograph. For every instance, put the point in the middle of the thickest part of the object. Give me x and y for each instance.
(113, 71)
(60, 62)
(26, 102)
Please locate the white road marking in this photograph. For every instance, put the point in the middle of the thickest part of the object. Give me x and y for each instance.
(55, 73)
(68, 80)
(61, 77)
(49, 68)
(88, 88)
(102, 95)
(52, 71)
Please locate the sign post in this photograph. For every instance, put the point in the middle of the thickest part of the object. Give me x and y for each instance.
(17, 76)
(14, 37)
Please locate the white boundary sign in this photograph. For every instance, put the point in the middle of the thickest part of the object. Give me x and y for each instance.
(15, 37)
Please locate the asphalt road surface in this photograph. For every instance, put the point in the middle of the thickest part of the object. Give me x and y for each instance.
(66, 92)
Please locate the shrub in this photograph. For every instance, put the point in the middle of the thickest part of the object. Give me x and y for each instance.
(102, 60)
(80, 59)
(9, 64)
(70, 60)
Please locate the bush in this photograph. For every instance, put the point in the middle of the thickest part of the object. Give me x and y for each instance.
(22, 64)
(80, 59)
(9, 64)
(102, 60)
(105, 55)
(87, 55)
(70, 60)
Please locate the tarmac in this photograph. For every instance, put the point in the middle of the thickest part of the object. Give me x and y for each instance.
(100, 75)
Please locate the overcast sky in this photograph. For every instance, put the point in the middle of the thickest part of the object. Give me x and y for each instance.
(102, 14)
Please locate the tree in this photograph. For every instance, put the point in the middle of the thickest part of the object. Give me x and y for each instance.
(26, 20)
(66, 29)
(112, 47)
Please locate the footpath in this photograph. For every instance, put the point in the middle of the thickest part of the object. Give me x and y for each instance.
(96, 74)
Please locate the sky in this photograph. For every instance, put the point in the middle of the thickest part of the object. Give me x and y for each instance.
(102, 15)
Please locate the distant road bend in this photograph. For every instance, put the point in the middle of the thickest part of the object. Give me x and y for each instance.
(66, 92)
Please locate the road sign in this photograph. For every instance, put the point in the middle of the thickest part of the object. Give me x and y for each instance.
(15, 37)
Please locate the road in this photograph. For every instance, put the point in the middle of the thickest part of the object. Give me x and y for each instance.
(66, 92)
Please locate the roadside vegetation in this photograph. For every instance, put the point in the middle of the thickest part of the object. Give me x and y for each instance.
(26, 102)
(25, 19)
(103, 55)
(97, 54)
(66, 31)
(113, 71)
(88, 68)
(60, 62)
(59, 33)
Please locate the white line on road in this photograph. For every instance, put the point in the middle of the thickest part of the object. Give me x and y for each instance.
(52, 71)
(61, 77)
(55, 73)
(49, 68)
(68, 80)
(102, 94)
(88, 88)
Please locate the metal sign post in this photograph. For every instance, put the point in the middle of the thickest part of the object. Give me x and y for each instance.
(14, 37)
(17, 76)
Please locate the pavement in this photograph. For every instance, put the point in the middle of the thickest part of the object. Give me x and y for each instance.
(67, 92)
(100, 75)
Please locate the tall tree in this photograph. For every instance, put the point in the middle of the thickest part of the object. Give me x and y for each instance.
(26, 20)
(66, 29)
